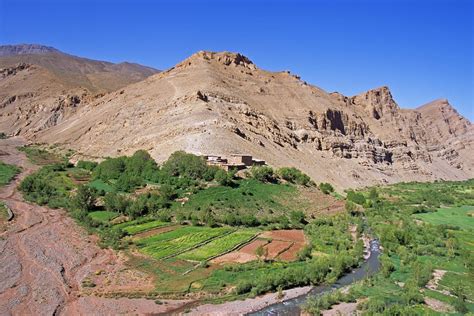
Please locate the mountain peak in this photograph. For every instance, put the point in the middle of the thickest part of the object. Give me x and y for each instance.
(225, 58)
(378, 102)
(26, 49)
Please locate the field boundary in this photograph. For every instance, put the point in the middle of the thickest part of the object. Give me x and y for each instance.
(292, 243)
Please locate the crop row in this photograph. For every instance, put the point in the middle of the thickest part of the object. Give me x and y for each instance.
(177, 241)
(219, 245)
(139, 228)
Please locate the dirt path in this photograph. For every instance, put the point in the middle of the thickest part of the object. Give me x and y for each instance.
(45, 256)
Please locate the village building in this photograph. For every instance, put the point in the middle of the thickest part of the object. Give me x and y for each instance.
(233, 161)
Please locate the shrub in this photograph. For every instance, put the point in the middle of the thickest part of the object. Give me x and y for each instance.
(294, 175)
(263, 174)
(326, 188)
(224, 178)
(297, 218)
(355, 197)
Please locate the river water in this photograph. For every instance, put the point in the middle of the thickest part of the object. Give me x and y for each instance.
(293, 306)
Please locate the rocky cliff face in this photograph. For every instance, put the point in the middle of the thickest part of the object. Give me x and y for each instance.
(220, 103)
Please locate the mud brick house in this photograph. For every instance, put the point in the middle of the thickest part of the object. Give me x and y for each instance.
(233, 161)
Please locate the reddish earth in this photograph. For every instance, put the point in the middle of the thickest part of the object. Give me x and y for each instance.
(235, 257)
(45, 259)
(295, 235)
(276, 247)
(251, 247)
(280, 244)
(292, 253)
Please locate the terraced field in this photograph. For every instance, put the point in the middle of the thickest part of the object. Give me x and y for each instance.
(220, 245)
(175, 242)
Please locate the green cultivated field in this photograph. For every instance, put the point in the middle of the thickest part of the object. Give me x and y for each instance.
(455, 216)
(7, 172)
(101, 185)
(249, 195)
(103, 216)
(177, 241)
(139, 228)
(220, 245)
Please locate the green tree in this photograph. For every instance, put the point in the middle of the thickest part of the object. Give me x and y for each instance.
(181, 163)
(84, 200)
(294, 175)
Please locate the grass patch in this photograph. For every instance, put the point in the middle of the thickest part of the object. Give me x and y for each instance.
(455, 216)
(249, 195)
(7, 173)
(101, 185)
(41, 157)
(103, 216)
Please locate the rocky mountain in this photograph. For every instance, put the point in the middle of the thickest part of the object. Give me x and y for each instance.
(222, 103)
(40, 85)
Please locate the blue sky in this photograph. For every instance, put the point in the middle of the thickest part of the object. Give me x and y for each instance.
(422, 50)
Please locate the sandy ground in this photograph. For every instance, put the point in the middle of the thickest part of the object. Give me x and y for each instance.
(248, 305)
(45, 257)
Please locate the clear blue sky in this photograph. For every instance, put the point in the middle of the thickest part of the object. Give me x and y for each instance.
(422, 50)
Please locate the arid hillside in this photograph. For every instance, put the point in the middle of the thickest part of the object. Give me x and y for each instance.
(221, 103)
(40, 86)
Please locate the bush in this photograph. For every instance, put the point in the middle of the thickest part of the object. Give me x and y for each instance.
(355, 197)
(326, 188)
(263, 174)
(297, 218)
(294, 175)
(224, 178)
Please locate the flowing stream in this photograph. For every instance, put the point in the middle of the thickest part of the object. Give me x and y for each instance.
(293, 306)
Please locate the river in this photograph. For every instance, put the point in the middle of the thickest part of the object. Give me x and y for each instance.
(293, 306)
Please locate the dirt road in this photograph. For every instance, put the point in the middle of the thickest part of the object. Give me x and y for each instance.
(45, 256)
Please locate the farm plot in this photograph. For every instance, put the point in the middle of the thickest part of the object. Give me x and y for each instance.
(219, 245)
(139, 228)
(103, 216)
(169, 244)
(278, 245)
